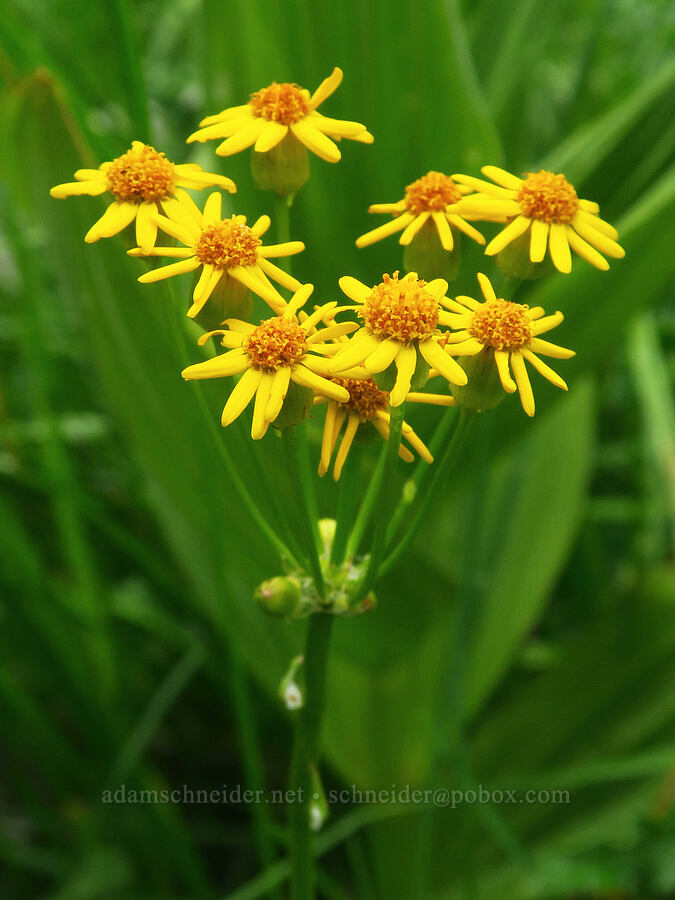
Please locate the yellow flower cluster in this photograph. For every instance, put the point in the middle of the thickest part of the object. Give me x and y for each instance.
(404, 330)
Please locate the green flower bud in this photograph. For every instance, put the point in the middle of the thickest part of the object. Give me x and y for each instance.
(279, 596)
(426, 255)
(283, 169)
(484, 389)
(514, 261)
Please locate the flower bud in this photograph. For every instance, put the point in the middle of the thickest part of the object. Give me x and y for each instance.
(484, 389)
(230, 300)
(279, 596)
(514, 261)
(290, 691)
(426, 255)
(283, 169)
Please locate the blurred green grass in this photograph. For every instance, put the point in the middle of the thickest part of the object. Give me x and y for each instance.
(526, 641)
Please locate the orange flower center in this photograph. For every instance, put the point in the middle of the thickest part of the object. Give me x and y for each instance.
(433, 191)
(141, 176)
(365, 397)
(548, 197)
(502, 325)
(275, 343)
(226, 244)
(286, 103)
(402, 310)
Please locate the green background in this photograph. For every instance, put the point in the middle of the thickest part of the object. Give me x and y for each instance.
(527, 639)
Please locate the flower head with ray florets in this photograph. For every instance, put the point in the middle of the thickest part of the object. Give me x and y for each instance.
(546, 205)
(269, 356)
(224, 248)
(510, 333)
(143, 182)
(426, 200)
(401, 318)
(279, 111)
(368, 405)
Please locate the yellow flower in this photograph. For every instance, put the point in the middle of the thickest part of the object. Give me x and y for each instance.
(274, 112)
(224, 248)
(142, 182)
(510, 333)
(426, 199)
(400, 325)
(367, 404)
(269, 356)
(549, 207)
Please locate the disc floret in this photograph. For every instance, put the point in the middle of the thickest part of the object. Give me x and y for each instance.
(226, 244)
(548, 198)
(275, 343)
(281, 102)
(142, 174)
(400, 309)
(502, 325)
(365, 397)
(433, 191)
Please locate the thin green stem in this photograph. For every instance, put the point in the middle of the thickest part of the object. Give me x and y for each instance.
(301, 487)
(383, 505)
(364, 513)
(282, 211)
(306, 753)
(349, 483)
(423, 473)
(464, 422)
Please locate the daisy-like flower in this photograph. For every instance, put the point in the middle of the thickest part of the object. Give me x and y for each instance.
(426, 199)
(510, 333)
(401, 319)
(367, 404)
(142, 181)
(269, 356)
(548, 206)
(223, 248)
(277, 111)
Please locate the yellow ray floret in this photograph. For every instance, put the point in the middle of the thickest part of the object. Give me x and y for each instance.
(547, 206)
(268, 357)
(223, 248)
(401, 319)
(277, 111)
(510, 332)
(142, 181)
(426, 200)
(367, 404)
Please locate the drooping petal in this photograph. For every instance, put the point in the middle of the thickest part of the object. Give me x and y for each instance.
(502, 361)
(177, 268)
(523, 382)
(272, 134)
(316, 141)
(559, 248)
(512, 231)
(262, 395)
(278, 392)
(444, 230)
(116, 217)
(353, 423)
(383, 231)
(382, 356)
(585, 251)
(242, 139)
(406, 361)
(597, 239)
(241, 396)
(538, 240)
(146, 226)
(442, 362)
(543, 369)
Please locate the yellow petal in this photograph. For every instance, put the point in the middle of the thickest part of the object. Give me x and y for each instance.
(512, 231)
(316, 141)
(538, 240)
(406, 361)
(271, 135)
(326, 88)
(523, 382)
(177, 268)
(116, 217)
(383, 231)
(241, 396)
(559, 248)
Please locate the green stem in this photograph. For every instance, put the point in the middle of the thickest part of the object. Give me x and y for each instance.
(423, 473)
(306, 753)
(383, 504)
(363, 515)
(301, 487)
(465, 420)
(346, 503)
(282, 211)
